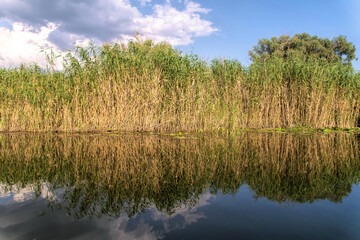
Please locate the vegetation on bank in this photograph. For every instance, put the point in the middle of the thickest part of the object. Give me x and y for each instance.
(301, 81)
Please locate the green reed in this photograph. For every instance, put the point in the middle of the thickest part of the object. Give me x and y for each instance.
(144, 86)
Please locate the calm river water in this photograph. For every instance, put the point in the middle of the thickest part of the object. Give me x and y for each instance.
(135, 186)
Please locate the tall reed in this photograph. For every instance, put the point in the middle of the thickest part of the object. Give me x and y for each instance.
(144, 86)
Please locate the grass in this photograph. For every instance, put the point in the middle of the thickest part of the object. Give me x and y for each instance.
(155, 88)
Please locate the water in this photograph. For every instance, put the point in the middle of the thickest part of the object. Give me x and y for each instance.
(123, 186)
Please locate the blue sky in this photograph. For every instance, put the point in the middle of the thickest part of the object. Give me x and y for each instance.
(209, 28)
(242, 23)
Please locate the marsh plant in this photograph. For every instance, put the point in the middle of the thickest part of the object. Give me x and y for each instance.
(144, 86)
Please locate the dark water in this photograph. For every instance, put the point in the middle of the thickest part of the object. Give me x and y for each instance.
(253, 186)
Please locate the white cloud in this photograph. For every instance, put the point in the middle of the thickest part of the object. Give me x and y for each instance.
(175, 26)
(59, 24)
(144, 2)
(22, 44)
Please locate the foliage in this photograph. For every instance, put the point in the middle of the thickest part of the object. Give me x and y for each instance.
(305, 47)
(144, 86)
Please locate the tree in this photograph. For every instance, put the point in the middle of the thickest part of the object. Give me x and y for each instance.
(304, 46)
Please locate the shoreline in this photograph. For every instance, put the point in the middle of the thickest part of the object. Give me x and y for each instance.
(296, 130)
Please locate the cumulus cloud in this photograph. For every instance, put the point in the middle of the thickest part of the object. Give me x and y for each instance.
(175, 26)
(61, 23)
(22, 44)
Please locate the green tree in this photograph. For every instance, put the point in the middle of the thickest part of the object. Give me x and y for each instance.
(304, 46)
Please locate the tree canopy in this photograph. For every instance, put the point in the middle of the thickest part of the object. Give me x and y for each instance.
(303, 45)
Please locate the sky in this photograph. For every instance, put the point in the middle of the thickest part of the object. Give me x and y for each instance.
(208, 28)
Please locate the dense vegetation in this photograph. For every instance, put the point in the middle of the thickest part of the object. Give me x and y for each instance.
(337, 50)
(144, 86)
(98, 175)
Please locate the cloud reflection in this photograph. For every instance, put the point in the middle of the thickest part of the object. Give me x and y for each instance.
(20, 217)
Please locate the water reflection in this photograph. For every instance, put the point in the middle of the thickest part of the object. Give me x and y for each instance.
(161, 182)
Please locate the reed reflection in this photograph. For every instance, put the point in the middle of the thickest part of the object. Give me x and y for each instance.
(107, 175)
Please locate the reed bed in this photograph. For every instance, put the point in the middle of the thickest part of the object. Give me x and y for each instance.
(153, 87)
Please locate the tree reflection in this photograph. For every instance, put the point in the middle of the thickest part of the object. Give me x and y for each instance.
(109, 175)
